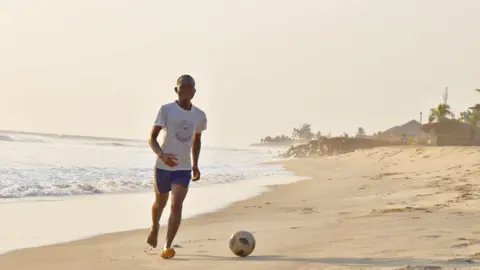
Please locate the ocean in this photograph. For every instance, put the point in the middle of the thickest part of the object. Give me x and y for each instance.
(55, 165)
(59, 188)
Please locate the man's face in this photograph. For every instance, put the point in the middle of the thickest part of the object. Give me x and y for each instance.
(186, 91)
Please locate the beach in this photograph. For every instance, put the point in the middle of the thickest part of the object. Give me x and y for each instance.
(88, 186)
(382, 208)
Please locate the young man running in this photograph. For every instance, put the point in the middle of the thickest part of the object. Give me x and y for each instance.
(183, 124)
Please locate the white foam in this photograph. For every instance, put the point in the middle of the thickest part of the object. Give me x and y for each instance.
(35, 222)
(84, 167)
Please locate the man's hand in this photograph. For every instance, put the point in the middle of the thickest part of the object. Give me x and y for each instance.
(196, 173)
(170, 159)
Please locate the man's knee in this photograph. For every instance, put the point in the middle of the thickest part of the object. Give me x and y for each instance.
(161, 200)
(176, 206)
(179, 193)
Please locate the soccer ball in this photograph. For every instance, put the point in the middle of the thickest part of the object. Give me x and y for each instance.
(242, 243)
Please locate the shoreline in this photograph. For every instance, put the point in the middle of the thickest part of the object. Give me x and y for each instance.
(381, 208)
(143, 197)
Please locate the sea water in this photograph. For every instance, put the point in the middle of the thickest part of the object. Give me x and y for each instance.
(56, 188)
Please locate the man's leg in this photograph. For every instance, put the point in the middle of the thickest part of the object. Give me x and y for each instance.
(180, 182)
(157, 209)
(162, 188)
(179, 192)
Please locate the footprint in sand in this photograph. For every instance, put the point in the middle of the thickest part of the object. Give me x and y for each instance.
(465, 242)
(431, 236)
(304, 210)
(198, 240)
(252, 206)
(463, 245)
(400, 210)
(455, 167)
(422, 267)
(309, 210)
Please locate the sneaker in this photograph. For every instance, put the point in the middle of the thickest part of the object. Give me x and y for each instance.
(167, 253)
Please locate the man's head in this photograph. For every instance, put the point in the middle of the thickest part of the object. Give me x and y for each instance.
(185, 87)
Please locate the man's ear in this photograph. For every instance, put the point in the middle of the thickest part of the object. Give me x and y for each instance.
(176, 89)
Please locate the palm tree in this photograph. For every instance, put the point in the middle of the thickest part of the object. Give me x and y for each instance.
(441, 111)
(470, 117)
(304, 132)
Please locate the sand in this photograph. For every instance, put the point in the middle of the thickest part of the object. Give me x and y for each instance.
(382, 208)
(62, 219)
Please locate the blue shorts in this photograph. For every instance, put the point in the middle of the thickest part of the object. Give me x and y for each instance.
(164, 179)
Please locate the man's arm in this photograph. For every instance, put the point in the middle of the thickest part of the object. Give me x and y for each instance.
(160, 122)
(153, 142)
(197, 145)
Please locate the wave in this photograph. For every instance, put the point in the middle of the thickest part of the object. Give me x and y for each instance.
(45, 139)
(49, 189)
(117, 144)
(6, 138)
(71, 189)
(25, 139)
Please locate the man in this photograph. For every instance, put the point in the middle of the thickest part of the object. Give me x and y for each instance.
(183, 124)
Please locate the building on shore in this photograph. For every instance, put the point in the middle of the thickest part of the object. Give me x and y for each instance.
(452, 132)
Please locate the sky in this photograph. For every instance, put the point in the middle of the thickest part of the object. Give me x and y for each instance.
(104, 67)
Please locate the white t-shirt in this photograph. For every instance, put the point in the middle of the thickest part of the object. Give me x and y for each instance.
(180, 126)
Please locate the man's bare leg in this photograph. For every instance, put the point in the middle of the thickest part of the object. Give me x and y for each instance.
(157, 209)
(179, 192)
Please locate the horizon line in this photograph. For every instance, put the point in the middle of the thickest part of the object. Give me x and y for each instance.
(66, 135)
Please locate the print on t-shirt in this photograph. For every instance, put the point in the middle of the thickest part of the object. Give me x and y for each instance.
(184, 131)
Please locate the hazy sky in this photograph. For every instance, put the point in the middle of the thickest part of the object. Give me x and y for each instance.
(103, 67)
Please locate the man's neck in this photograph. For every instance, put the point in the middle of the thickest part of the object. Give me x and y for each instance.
(185, 104)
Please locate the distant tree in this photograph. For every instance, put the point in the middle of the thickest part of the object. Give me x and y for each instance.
(478, 89)
(361, 132)
(470, 117)
(278, 138)
(345, 134)
(318, 135)
(303, 133)
(441, 111)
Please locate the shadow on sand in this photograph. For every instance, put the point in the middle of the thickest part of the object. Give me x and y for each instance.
(377, 262)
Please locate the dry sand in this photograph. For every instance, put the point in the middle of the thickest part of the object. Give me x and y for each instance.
(382, 208)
